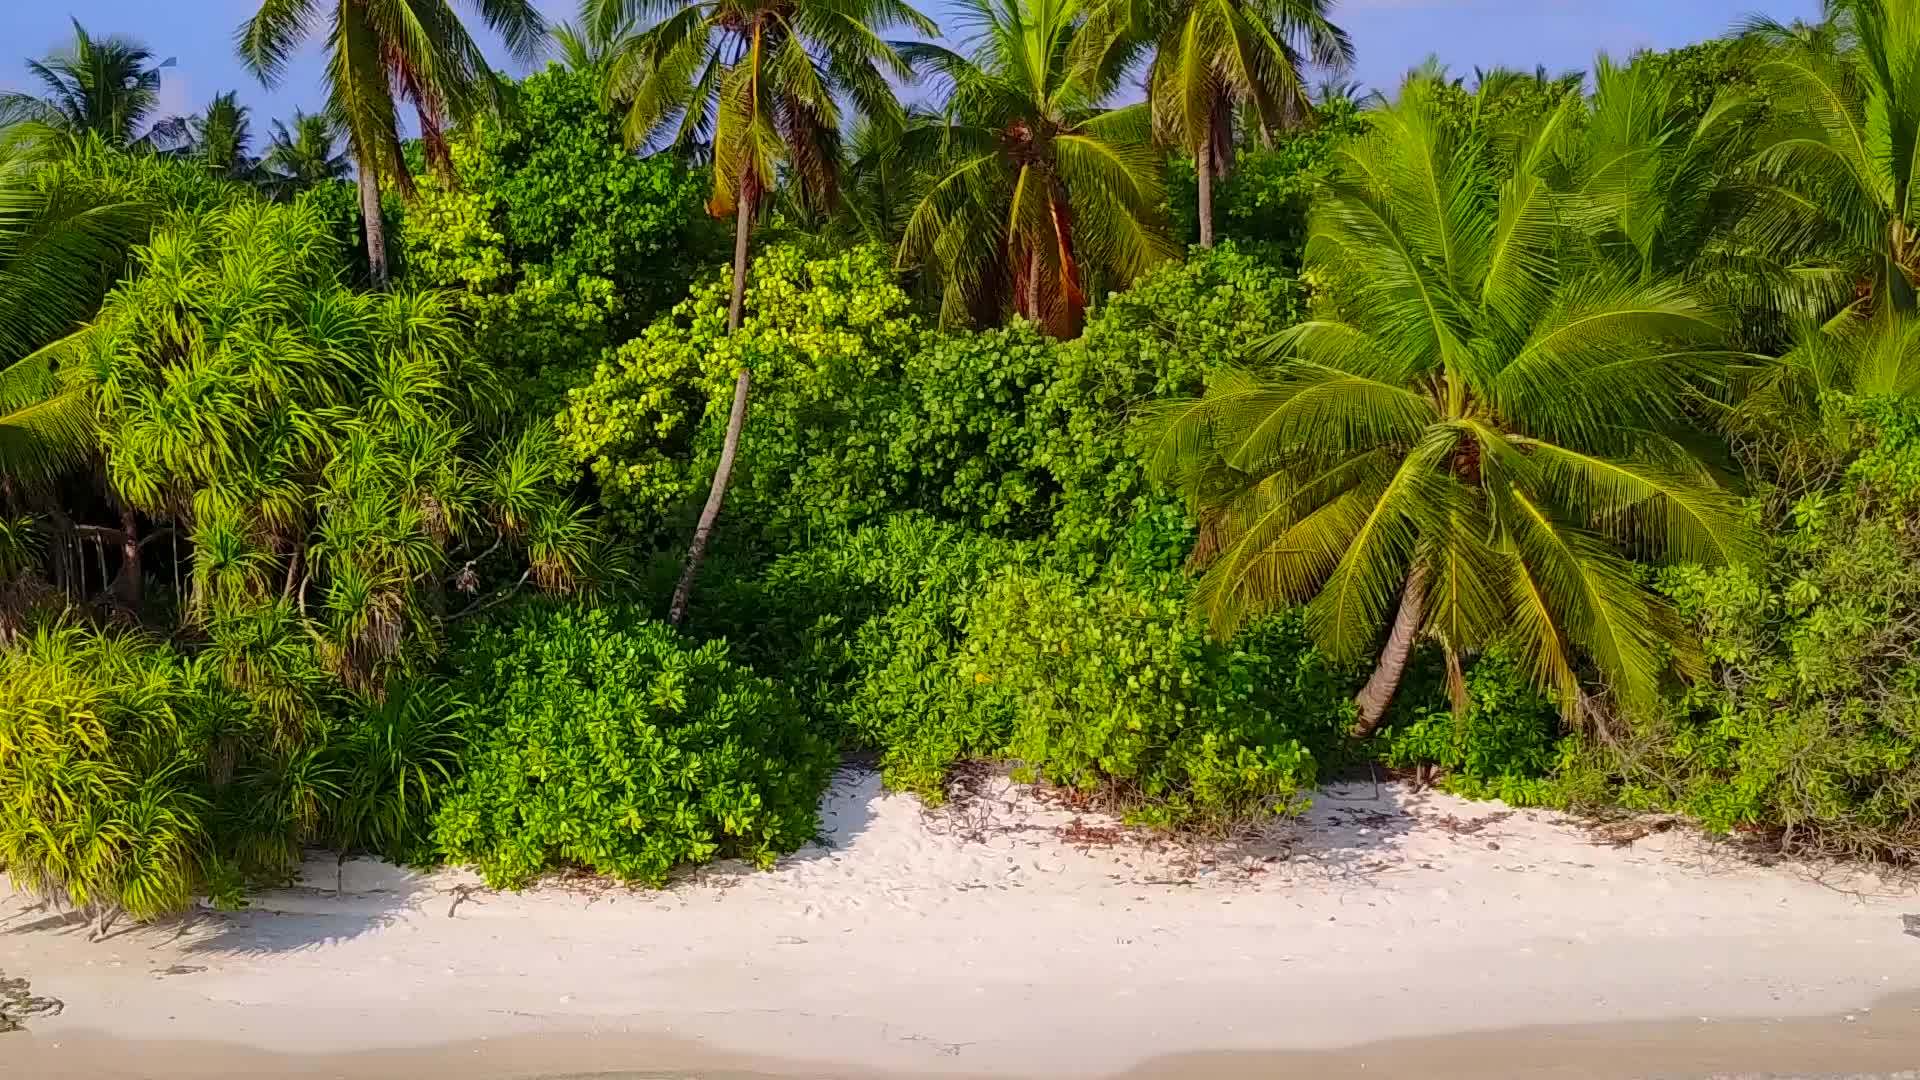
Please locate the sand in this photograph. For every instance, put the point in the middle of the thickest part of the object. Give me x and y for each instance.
(1388, 933)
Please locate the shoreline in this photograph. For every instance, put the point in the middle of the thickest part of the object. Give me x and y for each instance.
(1006, 935)
(1882, 1040)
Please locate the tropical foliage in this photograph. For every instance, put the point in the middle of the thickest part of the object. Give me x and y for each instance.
(100, 87)
(1034, 192)
(384, 56)
(760, 82)
(666, 751)
(1473, 440)
(1553, 433)
(1211, 59)
(557, 243)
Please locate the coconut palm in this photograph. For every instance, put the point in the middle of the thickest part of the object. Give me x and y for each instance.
(1660, 188)
(304, 155)
(61, 246)
(760, 83)
(97, 86)
(1035, 186)
(1479, 440)
(217, 138)
(1835, 183)
(587, 46)
(385, 53)
(1213, 57)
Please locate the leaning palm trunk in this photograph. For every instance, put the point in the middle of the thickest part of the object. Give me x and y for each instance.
(1203, 166)
(376, 227)
(1374, 697)
(736, 417)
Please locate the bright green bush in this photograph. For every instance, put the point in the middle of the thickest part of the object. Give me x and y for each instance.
(821, 335)
(105, 796)
(1157, 340)
(558, 242)
(968, 431)
(858, 412)
(135, 778)
(602, 740)
(1113, 688)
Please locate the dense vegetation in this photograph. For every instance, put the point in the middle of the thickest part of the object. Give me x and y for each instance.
(1557, 436)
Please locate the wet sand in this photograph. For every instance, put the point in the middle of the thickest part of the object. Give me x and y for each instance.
(1881, 1042)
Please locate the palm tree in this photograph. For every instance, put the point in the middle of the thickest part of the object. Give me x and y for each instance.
(219, 138)
(385, 53)
(97, 86)
(1212, 57)
(588, 46)
(1034, 185)
(304, 155)
(61, 246)
(1660, 188)
(1835, 182)
(761, 83)
(1477, 442)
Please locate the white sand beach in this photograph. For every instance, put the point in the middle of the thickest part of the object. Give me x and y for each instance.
(1007, 935)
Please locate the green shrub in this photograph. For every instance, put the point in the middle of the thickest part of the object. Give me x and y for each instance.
(105, 798)
(862, 628)
(858, 412)
(602, 740)
(134, 778)
(1113, 688)
(1810, 722)
(821, 335)
(1505, 746)
(1157, 340)
(969, 428)
(557, 241)
(398, 758)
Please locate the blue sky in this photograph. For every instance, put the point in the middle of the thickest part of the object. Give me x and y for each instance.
(1391, 36)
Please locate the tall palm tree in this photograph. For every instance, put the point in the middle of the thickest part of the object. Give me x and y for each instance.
(1212, 57)
(760, 82)
(96, 86)
(1033, 182)
(1835, 179)
(385, 53)
(304, 155)
(1481, 440)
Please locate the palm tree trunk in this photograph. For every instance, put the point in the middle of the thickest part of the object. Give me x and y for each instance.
(129, 584)
(1374, 697)
(736, 417)
(1203, 165)
(1033, 288)
(376, 226)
